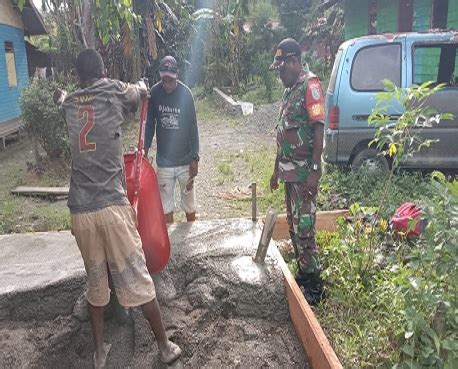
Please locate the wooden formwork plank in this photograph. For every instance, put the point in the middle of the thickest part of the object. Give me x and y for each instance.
(308, 329)
(325, 221)
(40, 191)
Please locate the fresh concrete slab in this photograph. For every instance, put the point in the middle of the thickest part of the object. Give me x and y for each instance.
(34, 260)
(217, 304)
(33, 267)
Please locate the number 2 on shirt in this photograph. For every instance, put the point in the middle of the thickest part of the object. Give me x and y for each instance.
(87, 112)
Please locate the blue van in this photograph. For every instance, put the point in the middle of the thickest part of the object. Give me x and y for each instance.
(360, 66)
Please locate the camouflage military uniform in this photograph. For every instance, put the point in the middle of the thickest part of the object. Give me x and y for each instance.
(302, 107)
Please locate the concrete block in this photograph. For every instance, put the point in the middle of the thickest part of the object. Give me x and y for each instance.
(232, 106)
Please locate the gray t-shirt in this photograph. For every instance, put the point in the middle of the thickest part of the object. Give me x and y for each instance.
(94, 117)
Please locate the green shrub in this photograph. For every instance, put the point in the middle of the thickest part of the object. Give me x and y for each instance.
(339, 189)
(399, 296)
(429, 336)
(42, 118)
(261, 67)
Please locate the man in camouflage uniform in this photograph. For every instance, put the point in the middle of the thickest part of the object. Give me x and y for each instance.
(299, 146)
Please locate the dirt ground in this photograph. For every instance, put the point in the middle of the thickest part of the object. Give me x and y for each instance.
(224, 310)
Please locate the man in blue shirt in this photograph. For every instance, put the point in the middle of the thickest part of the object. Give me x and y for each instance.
(172, 115)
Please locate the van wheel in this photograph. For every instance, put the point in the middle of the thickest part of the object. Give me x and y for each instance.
(370, 159)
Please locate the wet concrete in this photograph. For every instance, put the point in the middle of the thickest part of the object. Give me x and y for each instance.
(217, 304)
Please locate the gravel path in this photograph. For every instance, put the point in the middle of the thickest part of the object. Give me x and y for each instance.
(223, 140)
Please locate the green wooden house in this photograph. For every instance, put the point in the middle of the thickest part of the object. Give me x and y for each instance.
(369, 17)
(366, 17)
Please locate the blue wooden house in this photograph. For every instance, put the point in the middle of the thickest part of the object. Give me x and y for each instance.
(14, 74)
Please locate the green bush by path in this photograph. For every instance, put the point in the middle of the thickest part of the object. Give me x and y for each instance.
(42, 118)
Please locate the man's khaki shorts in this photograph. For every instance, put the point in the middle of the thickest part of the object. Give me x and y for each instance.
(109, 236)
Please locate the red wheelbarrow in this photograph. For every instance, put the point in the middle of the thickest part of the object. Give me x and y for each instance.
(144, 196)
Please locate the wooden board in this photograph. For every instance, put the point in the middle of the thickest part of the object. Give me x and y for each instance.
(308, 329)
(325, 221)
(40, 191)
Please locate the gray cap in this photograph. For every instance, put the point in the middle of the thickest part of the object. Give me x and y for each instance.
(168, 67)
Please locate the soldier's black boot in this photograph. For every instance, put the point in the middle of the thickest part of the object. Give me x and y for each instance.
(312, 286)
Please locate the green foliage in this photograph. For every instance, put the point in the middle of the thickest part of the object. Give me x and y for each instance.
(20, 4)
(224, 42)
(60, 45)
(339, 189)
(321, 68)
(110, 17)
(42, 118)
(25, 214)
(431, 309)
(394, 304)
(430, 319)
(260, 42)
(226, 172)
(292, 17)
(401, 294)
(236, 56)
(325, 27)
(261, 66)
(361, 314)
(400, 137)
(260, 162)
(259, 95)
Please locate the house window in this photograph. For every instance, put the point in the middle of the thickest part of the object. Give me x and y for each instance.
(436, 63)
(364, 77)
(405, 20)
(10, 64)
(439, 14)
(372, 17)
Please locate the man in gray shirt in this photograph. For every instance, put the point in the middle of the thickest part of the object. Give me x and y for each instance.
(172, 115)
(103, 222)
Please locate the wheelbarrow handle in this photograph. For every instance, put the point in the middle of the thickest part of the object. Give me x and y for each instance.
(143, 115)
(139, 153)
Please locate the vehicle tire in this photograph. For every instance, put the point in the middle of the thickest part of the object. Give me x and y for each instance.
(371, 159)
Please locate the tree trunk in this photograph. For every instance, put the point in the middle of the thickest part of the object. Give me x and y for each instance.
(88, 24)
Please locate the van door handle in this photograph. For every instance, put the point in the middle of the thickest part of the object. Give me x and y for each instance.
(365, 117)
(362, 117)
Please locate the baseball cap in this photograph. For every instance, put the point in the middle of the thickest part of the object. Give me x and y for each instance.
(168, 67)
(286, 48)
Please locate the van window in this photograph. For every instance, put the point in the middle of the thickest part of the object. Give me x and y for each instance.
(335, 68)
(437, 63)
(373, 64)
